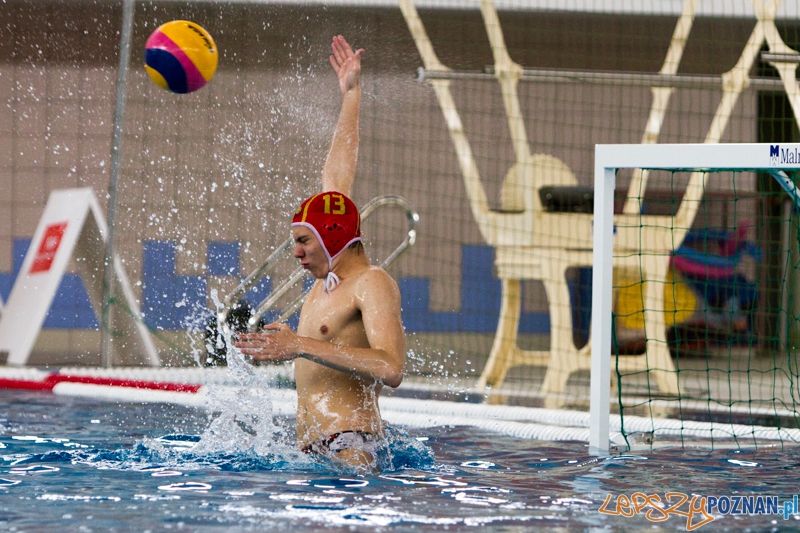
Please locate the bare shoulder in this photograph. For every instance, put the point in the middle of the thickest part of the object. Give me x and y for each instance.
(376, 275)
(375, 283)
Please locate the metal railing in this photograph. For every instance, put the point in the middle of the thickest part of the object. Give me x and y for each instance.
(632, 79)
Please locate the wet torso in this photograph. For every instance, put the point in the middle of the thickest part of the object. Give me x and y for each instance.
(331, 401)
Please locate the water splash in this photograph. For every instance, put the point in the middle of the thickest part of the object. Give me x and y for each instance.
(176, 454)
(195, 326)
(245, 421)
(243, 431)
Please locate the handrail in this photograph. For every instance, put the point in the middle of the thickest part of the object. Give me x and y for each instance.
(611, 77)
(277, 293)
(251, 280)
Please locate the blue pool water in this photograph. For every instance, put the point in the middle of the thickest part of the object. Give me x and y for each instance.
(73, 464)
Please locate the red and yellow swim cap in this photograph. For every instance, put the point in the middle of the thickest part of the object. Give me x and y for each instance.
(334, 219)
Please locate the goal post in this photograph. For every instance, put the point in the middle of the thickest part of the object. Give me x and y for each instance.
(609, 239)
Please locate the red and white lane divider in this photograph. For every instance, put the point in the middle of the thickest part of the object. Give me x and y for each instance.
(190, 387)
(52, 381)
(206, 388)
(105, 387)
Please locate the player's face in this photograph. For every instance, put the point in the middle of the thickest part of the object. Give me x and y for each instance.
(308, 250)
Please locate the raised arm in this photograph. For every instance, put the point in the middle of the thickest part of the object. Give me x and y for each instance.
(378, 300)
(340, 166)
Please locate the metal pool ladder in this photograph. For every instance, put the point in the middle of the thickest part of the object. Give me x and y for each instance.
(411, 236)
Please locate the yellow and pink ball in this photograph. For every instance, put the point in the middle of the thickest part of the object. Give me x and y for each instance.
(180, 56)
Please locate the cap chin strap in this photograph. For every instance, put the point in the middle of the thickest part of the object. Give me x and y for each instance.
(331, 282)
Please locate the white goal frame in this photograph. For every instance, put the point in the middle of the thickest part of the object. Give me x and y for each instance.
(764, 157)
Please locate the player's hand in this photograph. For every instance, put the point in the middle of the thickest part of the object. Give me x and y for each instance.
(346, 63)
(277, 344)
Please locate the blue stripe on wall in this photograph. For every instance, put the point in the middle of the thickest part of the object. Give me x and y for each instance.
(170, 301)
(480, 300)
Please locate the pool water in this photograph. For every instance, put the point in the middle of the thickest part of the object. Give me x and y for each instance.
(71, 464)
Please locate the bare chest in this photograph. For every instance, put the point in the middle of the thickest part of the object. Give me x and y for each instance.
(331, 316)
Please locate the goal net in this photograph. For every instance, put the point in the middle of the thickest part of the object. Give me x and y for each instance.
(703, 333)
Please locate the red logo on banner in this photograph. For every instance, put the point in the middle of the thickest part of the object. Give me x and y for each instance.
(48, 247)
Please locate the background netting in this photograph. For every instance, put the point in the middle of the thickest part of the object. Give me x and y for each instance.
(729, 310)
(209, 180)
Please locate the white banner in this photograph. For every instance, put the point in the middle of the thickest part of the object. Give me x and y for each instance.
(72, 225)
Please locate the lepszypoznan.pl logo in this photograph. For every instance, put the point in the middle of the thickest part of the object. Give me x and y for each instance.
(696, 510)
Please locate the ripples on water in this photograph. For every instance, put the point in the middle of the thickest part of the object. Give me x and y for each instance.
(81, 465)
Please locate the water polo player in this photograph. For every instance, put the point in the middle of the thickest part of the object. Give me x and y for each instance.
(350, 340)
